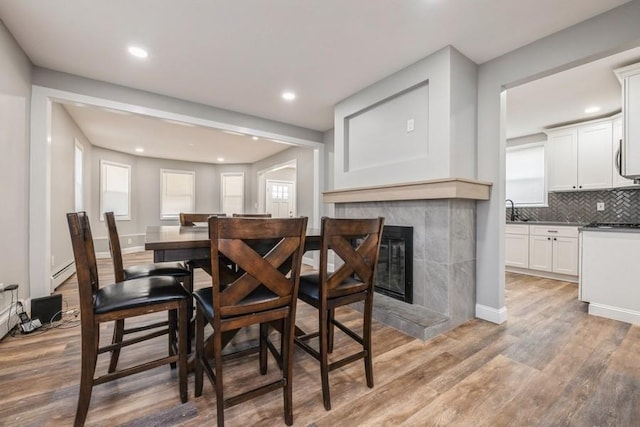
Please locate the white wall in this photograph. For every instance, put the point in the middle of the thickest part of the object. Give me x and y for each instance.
(64, 132)
(304, 158)
(145, 192)
(439, 94)
(601, 36)
(15, 93)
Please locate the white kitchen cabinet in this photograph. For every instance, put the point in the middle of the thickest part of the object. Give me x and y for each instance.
(516, 252)
(554, 249)
(580, 157)
(629, 76)
(609, 272)
(563, 159)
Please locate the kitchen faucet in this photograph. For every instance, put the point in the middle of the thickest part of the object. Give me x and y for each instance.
(513, 210)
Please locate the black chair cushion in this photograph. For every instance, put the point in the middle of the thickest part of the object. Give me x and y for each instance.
(138, 293)
(204, 297)
(310, 286)
(175, 269)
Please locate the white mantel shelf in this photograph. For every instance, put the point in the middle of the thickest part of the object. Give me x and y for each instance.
(447, 188)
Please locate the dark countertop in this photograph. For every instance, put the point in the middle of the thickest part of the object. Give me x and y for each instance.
(610, 229)
(558, 223)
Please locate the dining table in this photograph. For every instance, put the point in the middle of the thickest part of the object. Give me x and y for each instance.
(182, 243)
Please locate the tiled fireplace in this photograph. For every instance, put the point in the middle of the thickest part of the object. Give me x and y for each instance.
(444, 259)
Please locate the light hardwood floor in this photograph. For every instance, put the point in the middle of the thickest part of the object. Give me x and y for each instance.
(549, 364)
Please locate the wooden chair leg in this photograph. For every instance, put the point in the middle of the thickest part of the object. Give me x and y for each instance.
(366, 335)
(264, 332)
(199, 352)
(118, 334)
(187, 283)
(183, 333)
(173, 325)
(217, 357)
(90, 341)
(324, 364)
(287, 368)
(330, 330)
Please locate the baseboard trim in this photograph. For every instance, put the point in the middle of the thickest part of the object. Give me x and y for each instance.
(615, 313)
(491, 314)
(58, 278)
(540, 273)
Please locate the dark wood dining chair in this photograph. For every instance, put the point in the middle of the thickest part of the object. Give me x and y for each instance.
(356, 242)
(189, 219)
(118, 301)
(252, 215)
(268, 254)
(121, 273)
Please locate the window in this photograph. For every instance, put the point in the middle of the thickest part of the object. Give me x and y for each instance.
(177, 193)
(115, 189)
(525, 175)
(232, 193)
(78, 172)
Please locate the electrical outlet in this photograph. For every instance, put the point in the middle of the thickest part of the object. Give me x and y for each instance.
(600, 206)
(129, 241)
(410, 125)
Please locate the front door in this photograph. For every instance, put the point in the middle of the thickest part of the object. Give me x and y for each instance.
(280, 199)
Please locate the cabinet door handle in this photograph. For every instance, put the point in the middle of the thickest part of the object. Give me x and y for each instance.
(555, 238)
(548, 238)
(552, 231)
(619, 158)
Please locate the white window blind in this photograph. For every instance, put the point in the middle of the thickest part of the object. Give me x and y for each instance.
(177, 193)
(525, 175)
(232, 193)
(115, 194)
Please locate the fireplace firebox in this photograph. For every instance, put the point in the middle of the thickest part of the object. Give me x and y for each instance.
(394, 276)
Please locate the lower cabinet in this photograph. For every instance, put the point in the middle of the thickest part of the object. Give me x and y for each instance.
(554, 249)
(517, 245)
(542, 248)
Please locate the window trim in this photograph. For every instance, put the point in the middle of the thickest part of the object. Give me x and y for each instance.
(103, 164)
(543, 144)
(78, 147)
(176, 216)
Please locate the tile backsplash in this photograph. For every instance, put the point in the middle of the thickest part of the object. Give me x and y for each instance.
(620, 205)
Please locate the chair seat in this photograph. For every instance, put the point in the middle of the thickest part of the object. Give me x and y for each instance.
(138, 293)
(310, 286)
(204, 296)
(176, 269)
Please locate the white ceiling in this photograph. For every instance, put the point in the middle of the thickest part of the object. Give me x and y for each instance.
(240, 55)
(562, 98)
(125, 132)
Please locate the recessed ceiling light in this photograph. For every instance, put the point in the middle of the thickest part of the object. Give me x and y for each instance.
(138, 52)
(255, 138)
(288, 96)
(139, 150)
(220, 159)
(593, 109)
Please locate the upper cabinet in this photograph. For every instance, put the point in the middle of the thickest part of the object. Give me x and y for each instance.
(618, 180)
(630, 78)
(581, 156)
